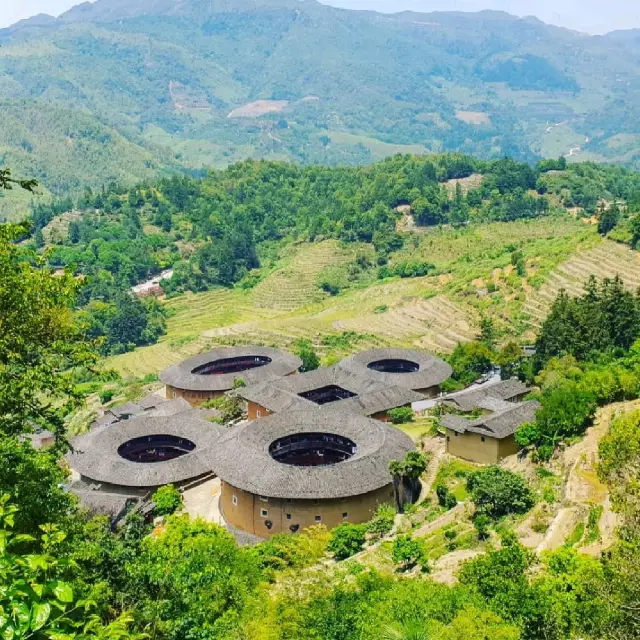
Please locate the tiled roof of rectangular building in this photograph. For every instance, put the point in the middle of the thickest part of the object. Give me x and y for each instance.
(496, 425)
(470, 399)
(370, 397)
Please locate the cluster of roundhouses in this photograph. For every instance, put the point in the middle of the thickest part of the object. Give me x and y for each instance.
(315, 449)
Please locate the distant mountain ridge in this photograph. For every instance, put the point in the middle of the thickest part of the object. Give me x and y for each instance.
(170, 84)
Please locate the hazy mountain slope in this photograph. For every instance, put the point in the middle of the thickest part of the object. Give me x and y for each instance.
(179, 74)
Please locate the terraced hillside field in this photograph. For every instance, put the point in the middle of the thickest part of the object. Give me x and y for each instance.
(474, 277)
(606, 260)
(436, 324)
(294, 284)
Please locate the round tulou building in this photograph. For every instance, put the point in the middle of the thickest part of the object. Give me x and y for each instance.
(289, 471)
(212, 374)
(135, 456)
(406, 368)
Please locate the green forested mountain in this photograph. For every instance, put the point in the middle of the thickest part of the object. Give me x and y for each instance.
(116, 91)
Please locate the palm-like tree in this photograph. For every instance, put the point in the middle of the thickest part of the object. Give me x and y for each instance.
(412, 467)
(396, 469)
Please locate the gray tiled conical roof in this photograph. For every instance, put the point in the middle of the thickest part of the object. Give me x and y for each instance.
(242, 457)
(181, 375)
(95, 455)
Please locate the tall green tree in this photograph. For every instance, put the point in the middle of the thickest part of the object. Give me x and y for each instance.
(40, 342)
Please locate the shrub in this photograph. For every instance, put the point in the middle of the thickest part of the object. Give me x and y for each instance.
(451, 535)
(446, 499)
(406, 270)
(106, 396)
(497, 492)
(229, 406)
(333, 280)
(408, 552)
(306, 353)
(167, 500)
(382, 522)
(346, 540)
(401, 415)
(482, 523)
(286, 551)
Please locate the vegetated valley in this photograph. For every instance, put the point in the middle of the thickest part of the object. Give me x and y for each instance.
(468, 258)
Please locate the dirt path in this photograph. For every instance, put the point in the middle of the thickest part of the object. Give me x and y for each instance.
(443, 520)
(583, 488)
(562, 525)
(436, 446)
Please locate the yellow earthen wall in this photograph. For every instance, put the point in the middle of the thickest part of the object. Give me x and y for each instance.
(246, 514)
(469, 446)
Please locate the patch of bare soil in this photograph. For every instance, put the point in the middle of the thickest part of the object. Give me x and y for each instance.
(583, 489)
(471, 182)
(474, 117)
(446, 568)
(563, 524)
(259, 108)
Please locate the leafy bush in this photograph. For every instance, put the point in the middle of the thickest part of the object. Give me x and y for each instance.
(408, 552)
(401, 415)
(106, 396)
(446, 499)
(346, 540)
(482, 523)
(167, 500)
(406, 270)
(286, 551)
(567, 410)
(231, 408)
(333, 280)
(497, 492)
(306, 353)
(382, 522)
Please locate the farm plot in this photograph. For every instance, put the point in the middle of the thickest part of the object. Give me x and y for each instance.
(436, 324)
(294, 285)
(606, 260)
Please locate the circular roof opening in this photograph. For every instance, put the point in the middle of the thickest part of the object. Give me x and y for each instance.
(231, 365)
(312, 449)
(394, 365)
(155, 448)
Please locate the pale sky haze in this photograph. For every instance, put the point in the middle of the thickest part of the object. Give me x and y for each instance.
(592, 16)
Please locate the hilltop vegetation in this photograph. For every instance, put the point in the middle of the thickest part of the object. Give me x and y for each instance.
(196, 84)
(239, 228)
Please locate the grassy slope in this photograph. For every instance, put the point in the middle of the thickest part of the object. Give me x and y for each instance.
(434, 312)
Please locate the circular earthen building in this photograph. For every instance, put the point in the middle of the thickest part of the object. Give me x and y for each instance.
(212, 374)
(139, 455)
(289, 471)
(407, 368)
